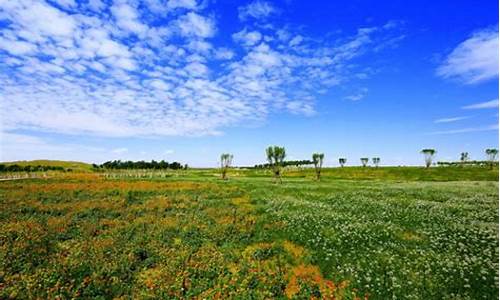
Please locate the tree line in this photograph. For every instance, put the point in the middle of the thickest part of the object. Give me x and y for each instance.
(287, 163)
(276, 155)
(491, 158)
(29, 168)
(155, 165)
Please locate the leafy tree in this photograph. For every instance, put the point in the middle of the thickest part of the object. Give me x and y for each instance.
(464, 157)
(226, 160)
(318, 163)
(364, 161)
(376, 161)
(428, 156)
(275, 156)
(492, 156)
(342, 161)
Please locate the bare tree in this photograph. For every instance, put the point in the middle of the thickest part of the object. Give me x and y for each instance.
(364, 161)
(318, 163)
(226, 160)
(376, 161)
(492, 156)
(275, 156)
(342, 161)
(428, 156)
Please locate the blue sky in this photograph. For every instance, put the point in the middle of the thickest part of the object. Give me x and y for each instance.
(187, 80)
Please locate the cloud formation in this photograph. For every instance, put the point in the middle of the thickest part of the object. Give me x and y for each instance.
(155, 70)
(482, 105)
(257, 9)
(467, 130)
(474, 60)
(450, 120)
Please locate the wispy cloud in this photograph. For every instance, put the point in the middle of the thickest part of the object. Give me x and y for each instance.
(474, 60)
(482, 105)
(257, 9)
(119, 150)
(153, 70)
(358, 95)
(467, 130)
(450, 120)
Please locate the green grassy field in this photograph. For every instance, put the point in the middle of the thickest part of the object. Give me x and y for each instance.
(387, 233)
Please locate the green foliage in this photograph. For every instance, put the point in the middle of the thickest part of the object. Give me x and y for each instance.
(428, 156)
(477, 163)
(318, 163)
(464, 157)
(155, 165)
(225, 162)
(286, 163)
(492, 154)
(276, 156)
(364, 161)
(342, 161)
(30, 168)
(44, 165)
(376, 161)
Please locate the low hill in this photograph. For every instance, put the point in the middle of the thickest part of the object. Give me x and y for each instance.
(74, 165)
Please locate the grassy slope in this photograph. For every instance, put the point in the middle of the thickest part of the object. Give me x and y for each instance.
(75, 165)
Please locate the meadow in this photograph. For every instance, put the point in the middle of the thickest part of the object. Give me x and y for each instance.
(359, 233)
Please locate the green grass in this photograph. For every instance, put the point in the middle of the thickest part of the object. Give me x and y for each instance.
(457, 173)
(386, 234)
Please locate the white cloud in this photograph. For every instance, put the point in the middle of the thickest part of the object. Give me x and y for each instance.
(247, 38)
(224, 53)
(187, 4)
(127, 18)
(450, 120)
(45, 19)
(168, 152)
(299, 107)
(467, 130)
(296, 41)
(15, 47)
(96, 5)
(257, 9)
(67, 4)
(487, 104)
(358, 95)
(125, 75)
(192, 24)
(474, 60)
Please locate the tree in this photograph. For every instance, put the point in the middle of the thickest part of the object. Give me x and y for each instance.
(318, 163)
(342, 161)
(364, 161)
(492, 155)
(376, 161)
(464, 157)
(428, 156)
(225, 162)
(275, 156)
